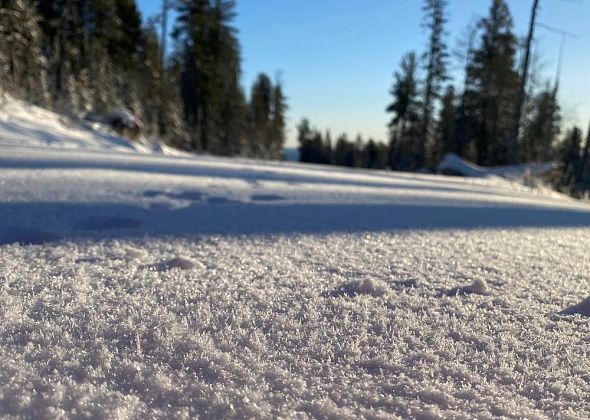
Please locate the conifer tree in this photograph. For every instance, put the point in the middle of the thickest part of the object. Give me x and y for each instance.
(569, 153)
(359, 155)
(404, 125)
(328, 152)
(344, 151)
(277, 121)
(266, 134)
(583, 169)
(208, 53)
(445, 137)
(542, 129)
(435, 59)
(493, 85)
(305, 140)
(21, 51)
(260, 116)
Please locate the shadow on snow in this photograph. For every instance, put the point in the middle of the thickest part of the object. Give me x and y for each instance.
(41, 222)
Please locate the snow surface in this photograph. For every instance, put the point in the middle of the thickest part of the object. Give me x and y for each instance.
(141, 285)
(452, 163)
(23, 125)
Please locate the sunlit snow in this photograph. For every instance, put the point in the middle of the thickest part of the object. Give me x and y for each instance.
(142, 285)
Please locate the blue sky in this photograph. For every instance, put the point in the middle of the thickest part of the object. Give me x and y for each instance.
(336, 58)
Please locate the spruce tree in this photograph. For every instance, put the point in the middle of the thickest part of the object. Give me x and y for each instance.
(569, 153)
(260, 116)
(445, 140)
(542, 129)
(209, 57)
(404, 125)
(435, 58)
(344, 151)
(21, 51)
(493, 85)
(583, 169)
(305, 140)
(277, 121)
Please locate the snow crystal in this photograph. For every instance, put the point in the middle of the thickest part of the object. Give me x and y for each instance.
(478, 287)
(371, 287)
(135, 253)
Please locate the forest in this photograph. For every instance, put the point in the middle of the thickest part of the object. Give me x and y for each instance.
(475, 118)
(83, 56)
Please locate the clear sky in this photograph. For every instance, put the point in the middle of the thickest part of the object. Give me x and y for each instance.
(336, 58)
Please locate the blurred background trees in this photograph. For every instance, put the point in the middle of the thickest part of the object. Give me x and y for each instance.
(80, 56)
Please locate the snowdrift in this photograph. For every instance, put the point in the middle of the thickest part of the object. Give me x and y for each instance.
(26, 125)
(452, 164)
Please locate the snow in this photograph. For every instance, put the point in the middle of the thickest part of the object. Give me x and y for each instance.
(582, 308)
(454, 164)
(24, 125)
(143, 285)
(125, 116)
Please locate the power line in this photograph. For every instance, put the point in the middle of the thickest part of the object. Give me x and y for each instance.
(564, 36)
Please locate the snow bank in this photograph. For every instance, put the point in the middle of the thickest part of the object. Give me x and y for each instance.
(454, 165)
(25, 125)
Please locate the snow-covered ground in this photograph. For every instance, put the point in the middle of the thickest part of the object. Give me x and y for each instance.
(143, 285)
(456, 165)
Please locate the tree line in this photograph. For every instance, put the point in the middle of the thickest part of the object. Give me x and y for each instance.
(432, 115)
(80, 56)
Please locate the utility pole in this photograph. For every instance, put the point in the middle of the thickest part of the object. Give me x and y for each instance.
(512, 141)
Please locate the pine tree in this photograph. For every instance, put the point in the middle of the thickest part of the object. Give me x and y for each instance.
(277, 121)
(328, 152)
(583, 170)
(344, 151)
(569, 153)
(266, 120)
(260, 116)
(21, 51)
(445, 138)
(465, 117)
(305, 140)
(404, 125)
(359, 155)
(371, 159)
(435, 59)
(542, 129)
(208, 53)
(493, 85)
